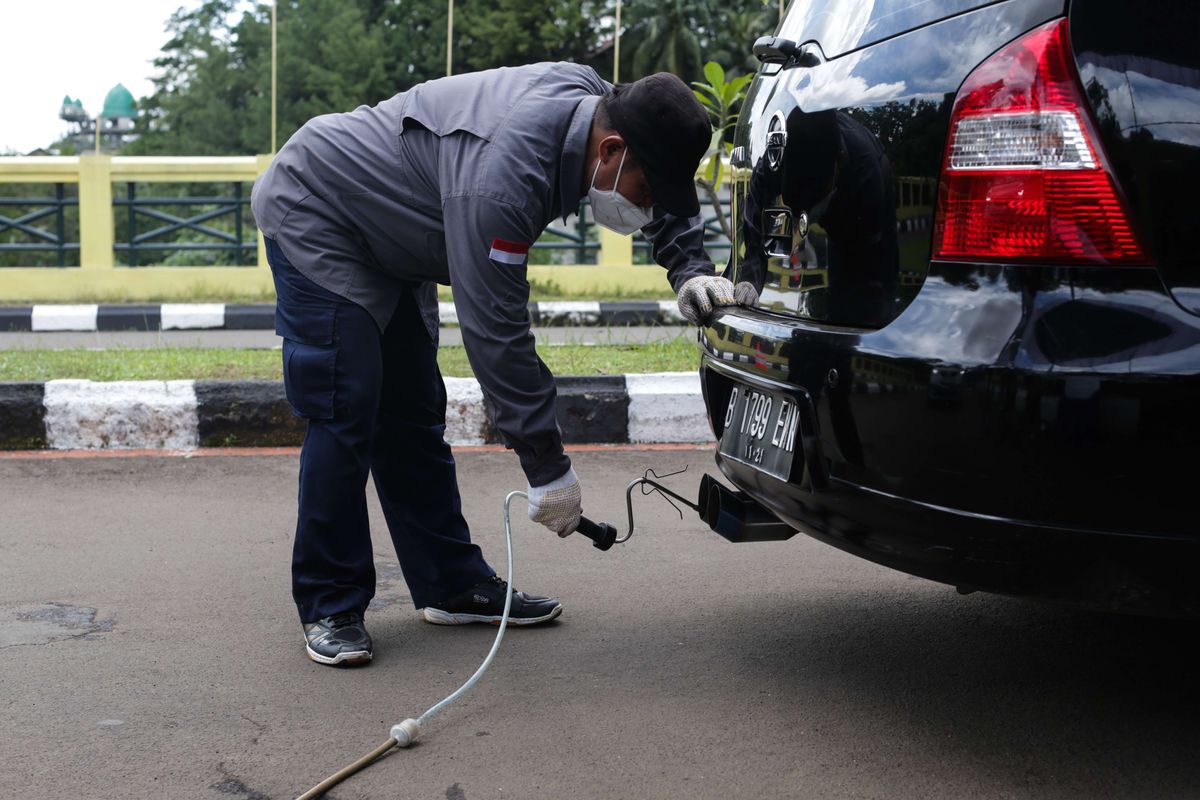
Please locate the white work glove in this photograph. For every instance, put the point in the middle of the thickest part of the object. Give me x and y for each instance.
(558, 504)
(700, 295)
(746, 294)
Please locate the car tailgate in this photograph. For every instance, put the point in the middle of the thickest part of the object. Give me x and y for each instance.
(849, 150)
(842, 26)
(1142, 80)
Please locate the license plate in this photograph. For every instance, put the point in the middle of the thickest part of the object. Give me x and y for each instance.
(760, 430)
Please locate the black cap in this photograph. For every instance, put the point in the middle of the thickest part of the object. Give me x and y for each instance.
(668, 130)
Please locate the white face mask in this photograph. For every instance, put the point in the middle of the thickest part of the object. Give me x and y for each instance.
(613, 210)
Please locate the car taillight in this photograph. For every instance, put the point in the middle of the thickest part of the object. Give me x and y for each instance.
(1024, 177)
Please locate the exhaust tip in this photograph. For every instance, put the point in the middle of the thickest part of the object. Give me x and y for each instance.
(737, 516)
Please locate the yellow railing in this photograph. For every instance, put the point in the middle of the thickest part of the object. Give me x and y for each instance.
(100, 279)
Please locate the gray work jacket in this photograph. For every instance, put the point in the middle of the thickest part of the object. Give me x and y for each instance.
(447, 183)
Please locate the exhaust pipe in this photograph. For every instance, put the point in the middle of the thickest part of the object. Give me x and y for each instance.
(737, 516)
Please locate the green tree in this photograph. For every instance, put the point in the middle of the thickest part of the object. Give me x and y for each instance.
(735, 26)
(493, 33)
(212, 88)
(199, 103)
(212, 91)
(667, 36)
(329, 60)
(679, 36)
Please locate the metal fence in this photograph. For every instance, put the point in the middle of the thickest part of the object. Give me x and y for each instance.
(100, 225)
(20, 235)
(232, 209)
(174, 207)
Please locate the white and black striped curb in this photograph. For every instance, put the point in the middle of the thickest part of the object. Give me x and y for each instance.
(220, 316)
(664, 407)
(165, 316)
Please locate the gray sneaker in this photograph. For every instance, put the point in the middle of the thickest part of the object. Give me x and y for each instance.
(338, 639)
(484, 602)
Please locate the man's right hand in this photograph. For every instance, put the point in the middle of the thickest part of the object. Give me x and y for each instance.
(699, 297)
(558, 505)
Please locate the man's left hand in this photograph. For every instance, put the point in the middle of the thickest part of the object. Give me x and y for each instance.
(746, 294)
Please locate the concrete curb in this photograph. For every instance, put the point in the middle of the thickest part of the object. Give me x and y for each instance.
(219, 316)
(180, 415)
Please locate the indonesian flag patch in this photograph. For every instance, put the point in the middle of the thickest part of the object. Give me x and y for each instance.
(507, 252)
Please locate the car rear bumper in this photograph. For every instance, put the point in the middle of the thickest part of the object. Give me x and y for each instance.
(1016, 429)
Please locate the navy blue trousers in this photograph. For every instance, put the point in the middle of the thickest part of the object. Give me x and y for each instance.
(375, 403)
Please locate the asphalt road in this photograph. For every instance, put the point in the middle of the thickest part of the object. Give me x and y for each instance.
(448, 337)
(149, 649)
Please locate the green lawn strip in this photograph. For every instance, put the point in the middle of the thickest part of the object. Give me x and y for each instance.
(678, 355)
(138, 365)
(553, 290)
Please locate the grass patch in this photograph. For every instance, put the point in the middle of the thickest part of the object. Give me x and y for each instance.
(540, 290)
(677, 355)
(140, 365)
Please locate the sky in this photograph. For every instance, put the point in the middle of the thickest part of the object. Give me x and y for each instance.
(78, 47)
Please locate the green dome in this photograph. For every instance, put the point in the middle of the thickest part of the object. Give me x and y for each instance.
(118, 103)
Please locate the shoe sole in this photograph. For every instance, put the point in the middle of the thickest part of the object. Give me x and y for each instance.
(439, 617)
(349, 659)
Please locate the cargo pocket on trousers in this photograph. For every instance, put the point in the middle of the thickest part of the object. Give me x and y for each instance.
(309, 378)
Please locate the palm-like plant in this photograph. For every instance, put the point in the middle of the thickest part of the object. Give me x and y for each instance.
(723, 99)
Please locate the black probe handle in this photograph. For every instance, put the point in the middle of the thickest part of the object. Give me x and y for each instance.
(602, 534)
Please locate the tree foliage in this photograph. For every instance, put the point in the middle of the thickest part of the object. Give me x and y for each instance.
(505, 32)
(680, 36)
(212, 91)
(212, 88)
(213, 78)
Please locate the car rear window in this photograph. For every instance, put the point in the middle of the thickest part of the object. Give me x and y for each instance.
(840, 26)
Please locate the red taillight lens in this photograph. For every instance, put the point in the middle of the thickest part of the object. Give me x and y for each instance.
(1024, 178)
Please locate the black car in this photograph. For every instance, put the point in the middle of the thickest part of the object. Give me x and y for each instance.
(973, 230)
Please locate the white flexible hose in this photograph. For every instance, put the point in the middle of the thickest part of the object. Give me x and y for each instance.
(406, 732)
